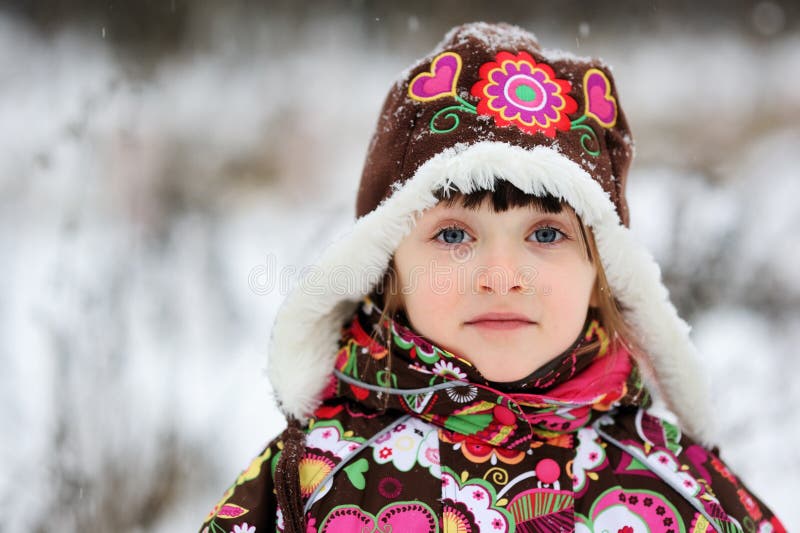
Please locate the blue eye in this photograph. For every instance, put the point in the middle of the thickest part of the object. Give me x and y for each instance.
(451, 235)
(548, 235)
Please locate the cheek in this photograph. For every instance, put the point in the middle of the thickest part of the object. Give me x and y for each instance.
(430, 294)
(570, 286)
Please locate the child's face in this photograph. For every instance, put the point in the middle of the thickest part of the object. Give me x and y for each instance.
(521, 261)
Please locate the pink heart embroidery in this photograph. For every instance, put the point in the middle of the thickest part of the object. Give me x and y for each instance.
(395, 517)
(599, 103)
(440, 81)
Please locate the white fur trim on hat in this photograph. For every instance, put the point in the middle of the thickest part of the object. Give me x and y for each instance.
(307, 328)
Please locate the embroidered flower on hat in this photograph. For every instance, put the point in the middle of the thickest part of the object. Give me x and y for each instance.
(518, 91)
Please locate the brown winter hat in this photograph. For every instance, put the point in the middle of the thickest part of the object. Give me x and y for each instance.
(488, 104)
(494, 82)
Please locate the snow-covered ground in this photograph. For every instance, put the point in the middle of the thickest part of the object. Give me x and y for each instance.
(144, 217)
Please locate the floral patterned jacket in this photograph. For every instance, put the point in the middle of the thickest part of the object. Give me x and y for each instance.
(421, 442)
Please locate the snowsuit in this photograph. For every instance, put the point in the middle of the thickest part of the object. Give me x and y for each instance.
(389, 433)
(423, 443)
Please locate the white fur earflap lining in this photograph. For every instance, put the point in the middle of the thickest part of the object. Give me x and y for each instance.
(307, 328)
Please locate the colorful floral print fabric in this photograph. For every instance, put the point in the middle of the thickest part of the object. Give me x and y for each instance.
(412, 438)
(515, 89)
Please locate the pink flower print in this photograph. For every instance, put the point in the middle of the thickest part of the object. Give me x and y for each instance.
(390, 487)
(311, 525)
(478, 495)
(432, 455)
(497, 523)
(385, 453)
(327, 434)
(593, 456)
(663, 460)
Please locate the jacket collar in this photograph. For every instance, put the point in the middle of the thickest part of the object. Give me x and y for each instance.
(393, 368)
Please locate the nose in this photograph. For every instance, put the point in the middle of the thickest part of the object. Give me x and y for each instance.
(502, 271)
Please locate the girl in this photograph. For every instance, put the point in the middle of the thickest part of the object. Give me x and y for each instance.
(489, 349)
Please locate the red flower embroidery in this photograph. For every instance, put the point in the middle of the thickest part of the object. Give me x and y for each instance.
(518, 91)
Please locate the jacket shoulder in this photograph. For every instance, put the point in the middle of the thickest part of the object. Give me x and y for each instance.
(695, 470)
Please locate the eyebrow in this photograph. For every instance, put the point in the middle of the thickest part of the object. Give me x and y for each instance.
(564, 217)
(442, 210)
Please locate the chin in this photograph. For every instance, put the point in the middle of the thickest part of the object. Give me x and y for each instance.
(505, 374)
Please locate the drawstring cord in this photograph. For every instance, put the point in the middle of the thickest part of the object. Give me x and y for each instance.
(287, 473)
(287, 478)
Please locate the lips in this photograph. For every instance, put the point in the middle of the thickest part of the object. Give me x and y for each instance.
(500, 317)
(500, 321)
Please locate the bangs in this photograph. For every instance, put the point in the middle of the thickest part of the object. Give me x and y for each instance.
(505, 196)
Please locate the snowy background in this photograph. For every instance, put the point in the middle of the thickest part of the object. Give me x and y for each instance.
(163, 171)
